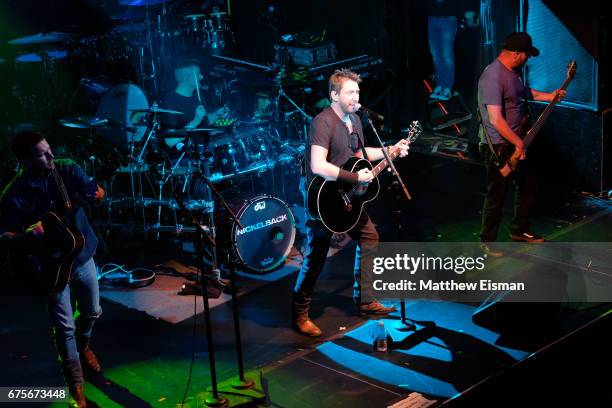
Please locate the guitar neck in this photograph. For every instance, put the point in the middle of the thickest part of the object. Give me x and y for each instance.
(393, 153)
(537, 126)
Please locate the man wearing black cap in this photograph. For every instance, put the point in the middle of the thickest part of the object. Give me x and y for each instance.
(501, 101)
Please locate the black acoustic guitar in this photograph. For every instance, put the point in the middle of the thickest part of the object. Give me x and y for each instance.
(507, 159)
(46, 266)
(339, 204)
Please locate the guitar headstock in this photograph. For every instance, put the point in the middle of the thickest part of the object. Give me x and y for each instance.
(571, 69)
(414, 130)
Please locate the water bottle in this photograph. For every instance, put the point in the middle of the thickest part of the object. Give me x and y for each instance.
(380, 337)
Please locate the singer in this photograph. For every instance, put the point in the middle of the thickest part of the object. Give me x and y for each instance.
(335, 136)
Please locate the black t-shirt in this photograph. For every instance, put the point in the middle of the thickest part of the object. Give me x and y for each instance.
(178, 102)
(329, 131)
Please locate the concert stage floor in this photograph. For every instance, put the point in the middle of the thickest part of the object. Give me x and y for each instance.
(147, 359)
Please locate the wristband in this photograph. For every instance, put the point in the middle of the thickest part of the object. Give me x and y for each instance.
(344, 175)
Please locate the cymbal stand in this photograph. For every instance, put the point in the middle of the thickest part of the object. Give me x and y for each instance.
(152, 76)
(163, 179)
(281, 93)
(211, 216)
(139, 162)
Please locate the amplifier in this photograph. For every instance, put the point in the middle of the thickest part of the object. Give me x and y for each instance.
(362, 64)
(312, 55)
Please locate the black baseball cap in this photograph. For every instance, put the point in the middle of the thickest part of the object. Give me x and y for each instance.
(520, 42)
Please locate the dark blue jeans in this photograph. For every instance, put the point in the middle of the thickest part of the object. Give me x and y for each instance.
(72, 335)
(441, 32)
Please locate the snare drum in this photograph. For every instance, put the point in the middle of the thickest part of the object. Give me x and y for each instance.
(267, 235)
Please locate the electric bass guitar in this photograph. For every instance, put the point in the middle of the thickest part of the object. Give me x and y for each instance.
(46, 266)
(508, 160)
(338, 204)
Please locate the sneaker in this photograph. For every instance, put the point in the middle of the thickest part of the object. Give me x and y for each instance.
(445, 95)
(435, 94)
(526, 236)
(374, 308)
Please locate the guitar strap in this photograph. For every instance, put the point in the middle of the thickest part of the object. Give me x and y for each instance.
(363, 150)
(360, 144)
(61, 187)
(487, 138)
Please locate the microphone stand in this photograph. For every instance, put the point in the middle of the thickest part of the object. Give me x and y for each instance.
(215, 400)
(404, 324)
(241, 382)
(386, 157)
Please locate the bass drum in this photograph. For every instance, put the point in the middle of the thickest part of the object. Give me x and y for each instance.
(124, 125)
(267, 235)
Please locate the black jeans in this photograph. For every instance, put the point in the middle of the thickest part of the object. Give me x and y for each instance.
(317, 246)
(525, 184)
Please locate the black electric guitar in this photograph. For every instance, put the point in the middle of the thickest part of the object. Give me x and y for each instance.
(45, 267)
(508, 160)
(339, 204)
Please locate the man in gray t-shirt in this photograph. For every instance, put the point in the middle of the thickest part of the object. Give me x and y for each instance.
(501, 101)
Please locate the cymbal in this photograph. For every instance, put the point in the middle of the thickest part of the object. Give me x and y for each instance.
(157, 110)
(180, 133)
(50, 55)
(193, 16)
(43, 38)
(83, 122)
(141, 2)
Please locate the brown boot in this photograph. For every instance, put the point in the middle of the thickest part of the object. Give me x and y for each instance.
(76, 391)
(301, 321)
(90, 361)
(374, 308)
(307, 327)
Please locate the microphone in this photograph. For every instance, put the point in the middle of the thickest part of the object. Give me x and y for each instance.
(369, 112)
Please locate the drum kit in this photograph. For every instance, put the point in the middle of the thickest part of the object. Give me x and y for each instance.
(142, 174)
(144, 165)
